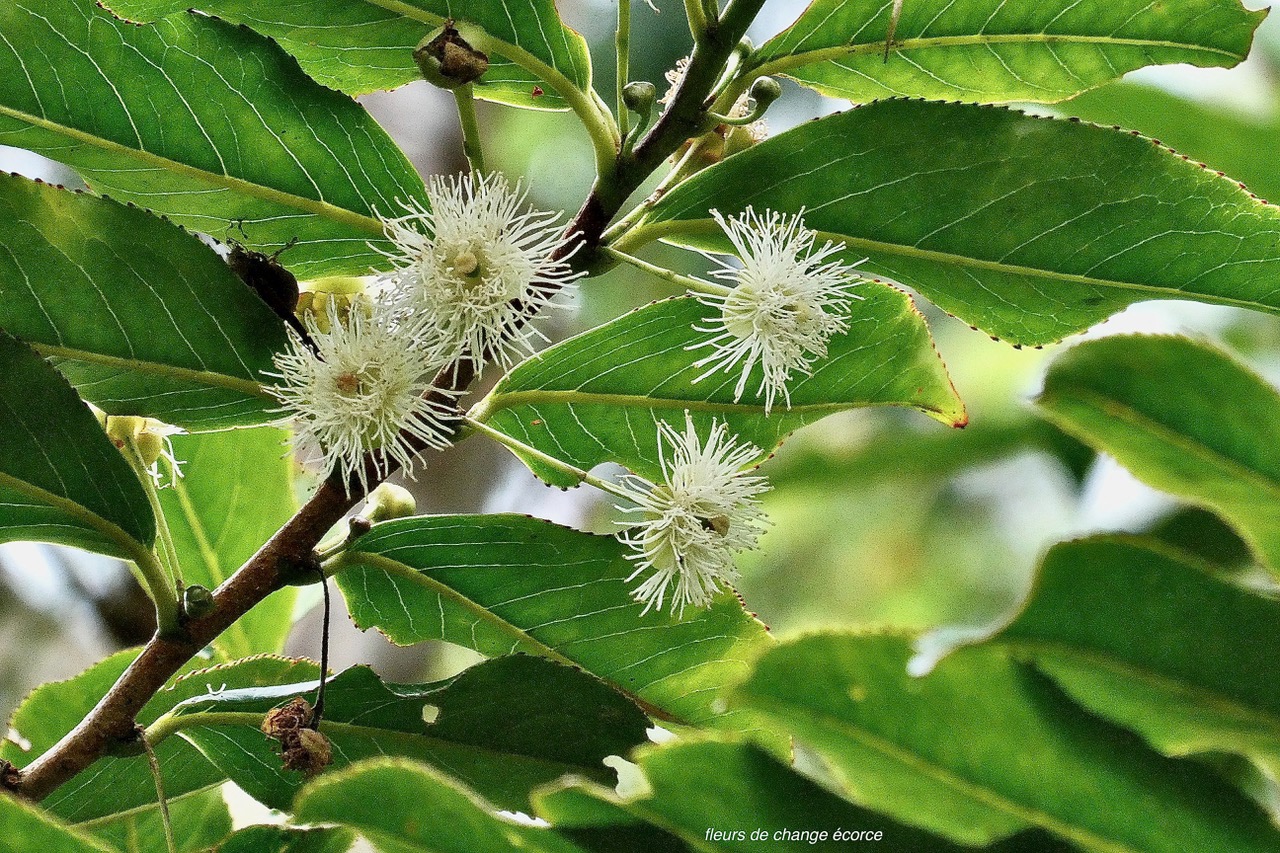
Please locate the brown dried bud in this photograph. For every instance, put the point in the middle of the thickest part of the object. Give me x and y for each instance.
(287, 720)
(447, 60)
(307, 750)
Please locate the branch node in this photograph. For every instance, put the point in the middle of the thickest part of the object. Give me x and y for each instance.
(10, 776)
(128, 746)
(298, 569)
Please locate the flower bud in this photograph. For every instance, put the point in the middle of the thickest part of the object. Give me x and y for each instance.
(447, 60)
(197, 601)
(149, 436)
(639, 95)
(764, 92)
(389, 501)
(344, 293)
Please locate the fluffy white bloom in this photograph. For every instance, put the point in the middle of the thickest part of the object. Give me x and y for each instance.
(364, 392)
(472, 270)
(787, 302)
(705, 510)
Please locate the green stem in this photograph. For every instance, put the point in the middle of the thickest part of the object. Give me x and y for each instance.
(154, 763)
(622, 43)
(678, 172)
(170, 723)
(470, 128)
(696, 285)
(519, 447)
(161, 576)
(697, 14)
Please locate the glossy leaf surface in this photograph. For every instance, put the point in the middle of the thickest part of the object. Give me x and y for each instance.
(217, 129)
(999, 50)
(598, 397)
(142, 318)
(1030, 229)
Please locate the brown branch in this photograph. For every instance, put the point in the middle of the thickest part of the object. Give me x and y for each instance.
(111, 724)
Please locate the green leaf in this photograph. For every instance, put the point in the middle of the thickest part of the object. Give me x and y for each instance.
(1244, 145)
(142, 318)
(363, 45)
(199, 821)
(61, 479)
(111, 786)
(502, 727)
(404, 807)
(1029, 228)
(1145, 637)
(702, 786)
(235, 493)
(206, 123)
(598, 397)
(595, 819)
(992, 748)
(1212, 442)
(998, 50)
(506, 583)
(26, 828)
(288, 839)
(891, 454)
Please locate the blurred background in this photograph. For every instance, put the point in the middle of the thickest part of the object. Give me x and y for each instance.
(879, 517)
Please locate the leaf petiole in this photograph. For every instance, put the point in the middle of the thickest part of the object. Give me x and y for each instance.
(520, 448)
(694, 285)
(465, 99)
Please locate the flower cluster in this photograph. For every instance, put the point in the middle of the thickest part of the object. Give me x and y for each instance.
(363, 389)
(469, 272)
(475, 268)
(788, 299)
(704, 511)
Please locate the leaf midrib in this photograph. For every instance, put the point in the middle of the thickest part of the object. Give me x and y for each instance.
(1111, 407)
(167, 371)
(395, 568)
(1100, 659)
(501, 400)
(781, 63)
(308, 205)
(79, 512)
(337, 728)
(563, 86)
(697, 227)
(938, 773)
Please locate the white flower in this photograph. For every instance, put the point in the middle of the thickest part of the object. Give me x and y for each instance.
(472, 270)
(151, 441)
(364, 392)
(787, 303)
(705, 510)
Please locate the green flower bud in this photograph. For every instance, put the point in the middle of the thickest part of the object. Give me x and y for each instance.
(149, 435)
(387, 502)
(639, 96)
(197, 601)
(764, 92)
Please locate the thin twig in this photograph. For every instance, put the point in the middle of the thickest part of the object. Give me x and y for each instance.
(318, 712)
